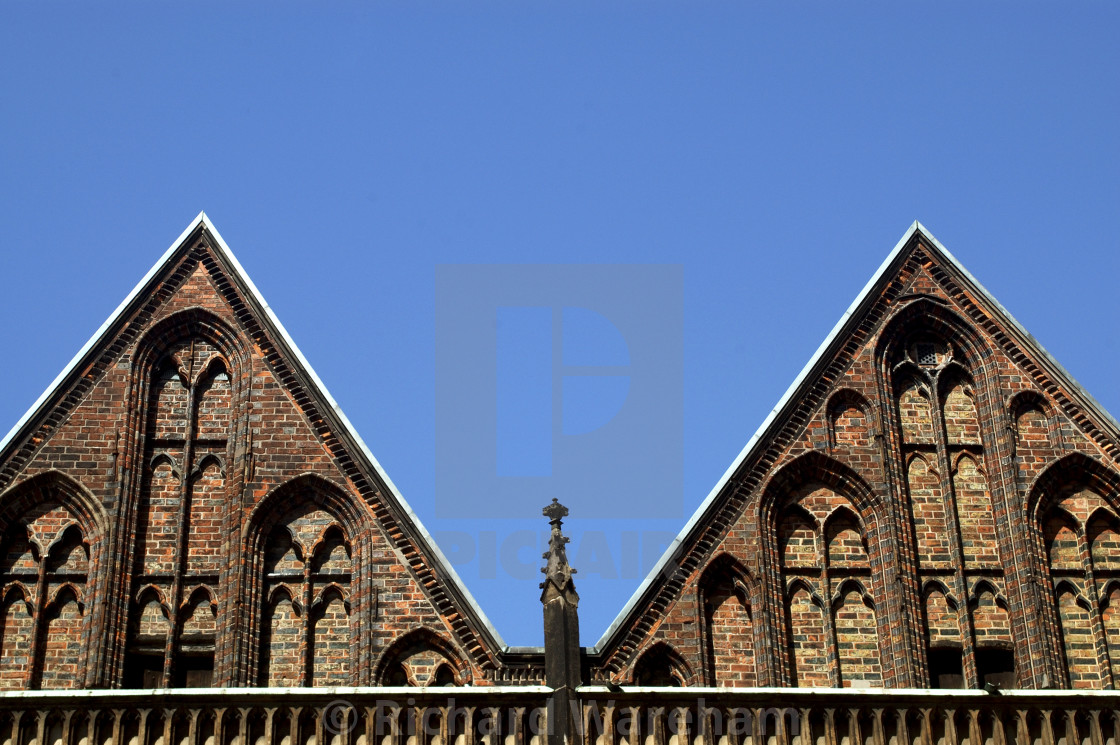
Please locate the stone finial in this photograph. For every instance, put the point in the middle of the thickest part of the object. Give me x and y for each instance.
(555, 512)
(557, 570)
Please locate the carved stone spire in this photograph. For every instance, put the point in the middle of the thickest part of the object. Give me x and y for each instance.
(563, 661)
(558, 573)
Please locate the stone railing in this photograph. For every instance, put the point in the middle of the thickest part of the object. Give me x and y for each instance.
(520, 716)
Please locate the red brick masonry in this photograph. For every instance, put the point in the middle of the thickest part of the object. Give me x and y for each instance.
(936, 505)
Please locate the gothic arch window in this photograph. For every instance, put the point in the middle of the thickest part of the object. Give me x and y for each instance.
(50, 531)
(1078, 531)
(187, 383)
(1033, 422)
(831, 628)
(849, 421)
(307, 621)
(729, 627)
(420, 658)
(806, 624)
(854, 614)
(928, 363)
(16, 619)
(661, 666)
(944, 649)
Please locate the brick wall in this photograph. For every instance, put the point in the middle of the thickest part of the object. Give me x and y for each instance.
(187, 512)
(936, 507)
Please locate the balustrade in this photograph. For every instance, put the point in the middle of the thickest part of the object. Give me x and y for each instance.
(519, 716)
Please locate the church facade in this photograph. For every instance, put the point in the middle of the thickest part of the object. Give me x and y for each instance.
(935, 504)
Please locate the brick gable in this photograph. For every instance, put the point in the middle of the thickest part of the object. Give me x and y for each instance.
(227, 526)
(880, 531)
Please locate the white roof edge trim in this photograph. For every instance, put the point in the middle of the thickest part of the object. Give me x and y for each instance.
(321, 390)
(100, 332)
(916, 227)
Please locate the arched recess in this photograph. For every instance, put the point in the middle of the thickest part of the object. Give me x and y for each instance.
(854, 612)
(16, 621)
(1076, 622)
(943, 635)
(1110, 618)
(186, 439)
(805, 500)
(1036, 428)
(52, 536)
(996, 655)
(662, 666)
(1066, 473)
(975, 511)
(928, 319)
(421, 657)
(731, 650)
(807, 640)
(849, 420)
(1074, 509)
(929, 514)
(953, 466)
(307, 540)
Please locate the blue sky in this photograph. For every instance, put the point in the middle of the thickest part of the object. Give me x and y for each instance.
(774, 153)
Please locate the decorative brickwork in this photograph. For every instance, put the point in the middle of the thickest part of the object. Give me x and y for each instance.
(186, 509)
(935, 504)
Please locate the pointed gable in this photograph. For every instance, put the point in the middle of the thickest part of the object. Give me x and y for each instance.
(892, 484)
(220, 496)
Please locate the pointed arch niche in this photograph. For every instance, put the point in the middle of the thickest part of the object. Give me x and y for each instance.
(729, 631)
(52, 535)
(928, 361)
(1075, 506)
(662, 666)
(821, 521)
(303, 571)
(189, 394)
(421, 657)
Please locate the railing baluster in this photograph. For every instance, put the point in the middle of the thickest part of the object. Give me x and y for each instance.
(219, 726)
(949, 717)
(1071, 737)
(1095, 736)
(269, 715)
(118, 717)
(294, 713)
(91, 727)
(67, 716)
(242, 727)
(877, 737)
(40, 726)
(975, 737)
(634, 727)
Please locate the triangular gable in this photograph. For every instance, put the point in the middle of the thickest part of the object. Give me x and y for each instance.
(407, 534)
(711, 520)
